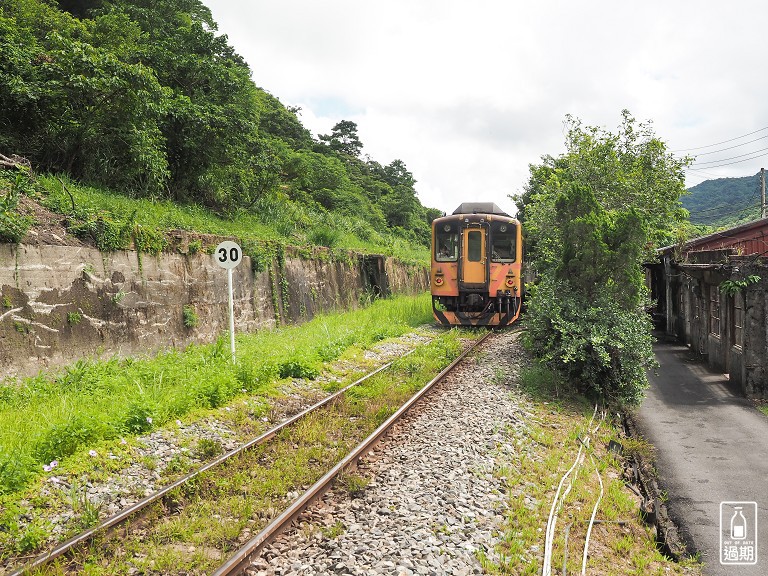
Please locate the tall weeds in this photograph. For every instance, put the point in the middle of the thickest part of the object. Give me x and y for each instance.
(52, 416)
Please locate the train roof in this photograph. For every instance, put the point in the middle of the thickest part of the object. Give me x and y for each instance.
(479, 208)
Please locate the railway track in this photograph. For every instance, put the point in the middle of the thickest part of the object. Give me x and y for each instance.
(71, 556)
(65, 547)
(241, 560)
(434, 493)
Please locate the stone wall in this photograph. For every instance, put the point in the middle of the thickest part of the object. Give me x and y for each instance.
(60, 303)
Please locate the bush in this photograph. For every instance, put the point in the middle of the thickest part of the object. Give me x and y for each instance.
(107, 233)
(15, 470)
(251, 377)
(138, 418)
(214, 394)
(190, 316)
(325, 236)
(602, 348)
(148, 240)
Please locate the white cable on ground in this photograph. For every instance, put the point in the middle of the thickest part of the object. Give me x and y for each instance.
(552, 521)
(591, 520)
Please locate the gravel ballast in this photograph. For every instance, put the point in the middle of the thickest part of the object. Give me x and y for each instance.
(432, 504)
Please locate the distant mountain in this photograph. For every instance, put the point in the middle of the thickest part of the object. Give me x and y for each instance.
(724, 201)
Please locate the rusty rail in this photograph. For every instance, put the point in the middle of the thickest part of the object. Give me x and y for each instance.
(116, 519)
(241, 560)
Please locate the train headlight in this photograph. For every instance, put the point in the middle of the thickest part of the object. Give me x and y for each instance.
(438, 280)
(509, 281)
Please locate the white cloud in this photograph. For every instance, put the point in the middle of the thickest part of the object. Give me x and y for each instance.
(468, 94)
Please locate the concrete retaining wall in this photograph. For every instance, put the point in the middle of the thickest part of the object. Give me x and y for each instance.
(60, 303)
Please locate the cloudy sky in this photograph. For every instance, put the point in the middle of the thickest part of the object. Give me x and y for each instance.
(468, 94)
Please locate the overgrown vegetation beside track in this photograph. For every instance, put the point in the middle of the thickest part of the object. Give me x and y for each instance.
(92, 404)
(593, 217)
(112, 221)
(621, 543)
(258, 484)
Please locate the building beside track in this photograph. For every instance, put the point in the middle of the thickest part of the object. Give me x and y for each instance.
(712, 294)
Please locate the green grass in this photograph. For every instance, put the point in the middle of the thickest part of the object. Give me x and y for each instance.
(57, 416)
(547, 447)
(273, 219)
(254, 486)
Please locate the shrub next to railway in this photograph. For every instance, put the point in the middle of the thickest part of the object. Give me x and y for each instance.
(593, 215)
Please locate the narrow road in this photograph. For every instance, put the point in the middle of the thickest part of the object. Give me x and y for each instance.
(712, 447)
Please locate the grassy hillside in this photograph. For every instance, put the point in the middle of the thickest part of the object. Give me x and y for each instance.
(37, 207)
(142, 106)
(724, 202)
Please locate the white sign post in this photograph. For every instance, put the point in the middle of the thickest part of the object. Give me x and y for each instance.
(228, 254)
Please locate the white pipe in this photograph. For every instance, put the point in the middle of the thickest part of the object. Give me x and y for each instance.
(591, 520)
(552, 521)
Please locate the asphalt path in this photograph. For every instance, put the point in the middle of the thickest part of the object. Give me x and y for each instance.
(711, 447)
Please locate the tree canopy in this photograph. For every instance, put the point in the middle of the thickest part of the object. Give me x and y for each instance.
(145, 97)
(593, 216)
(343, 138)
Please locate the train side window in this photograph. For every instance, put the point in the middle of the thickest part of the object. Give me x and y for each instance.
(503, 245)
(446, 246)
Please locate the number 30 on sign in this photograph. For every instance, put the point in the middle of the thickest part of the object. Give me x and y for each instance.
(228, 254)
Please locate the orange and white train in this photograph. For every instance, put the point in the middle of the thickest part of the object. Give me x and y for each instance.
(477, 256)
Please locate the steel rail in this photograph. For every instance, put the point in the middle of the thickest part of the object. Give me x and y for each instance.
(86, 535)
(241, 559)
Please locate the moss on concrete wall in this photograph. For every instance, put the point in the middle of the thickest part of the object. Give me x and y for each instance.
(60, 303)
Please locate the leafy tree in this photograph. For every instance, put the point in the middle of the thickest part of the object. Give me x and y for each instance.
(281, 122)
(343, 138)
(397, 174)
(212, 108)
(593, 215)
(431, 214)
(71, 106)
(631, 167)
(107, 117)
(144, 96)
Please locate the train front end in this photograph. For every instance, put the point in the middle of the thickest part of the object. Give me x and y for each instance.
(475, 275)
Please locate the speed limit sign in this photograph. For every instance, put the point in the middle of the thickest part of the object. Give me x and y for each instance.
(228, 254)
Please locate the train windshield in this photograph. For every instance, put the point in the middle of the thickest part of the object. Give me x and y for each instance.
(503, 242)
(446, 245)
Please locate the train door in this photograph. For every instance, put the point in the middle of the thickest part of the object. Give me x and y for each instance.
(474, 262)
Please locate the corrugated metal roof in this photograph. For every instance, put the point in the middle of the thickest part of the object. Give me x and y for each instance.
(748, 239)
